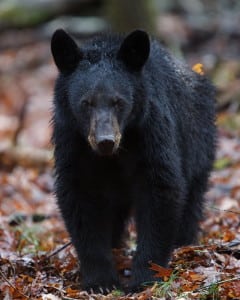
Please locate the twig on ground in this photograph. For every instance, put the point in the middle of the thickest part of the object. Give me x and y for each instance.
(224, 210)
(59, 250)
(11, 285)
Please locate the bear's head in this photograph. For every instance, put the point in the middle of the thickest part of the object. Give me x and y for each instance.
(103, 84)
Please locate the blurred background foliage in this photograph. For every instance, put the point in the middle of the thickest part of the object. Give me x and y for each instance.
(199, 31)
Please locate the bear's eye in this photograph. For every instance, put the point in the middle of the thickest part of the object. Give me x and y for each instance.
(86, 103)
(117, 103)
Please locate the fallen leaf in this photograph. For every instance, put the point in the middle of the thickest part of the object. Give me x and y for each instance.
(161, 272)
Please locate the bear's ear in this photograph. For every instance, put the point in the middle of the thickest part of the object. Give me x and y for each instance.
(135, 49)
(65, 51)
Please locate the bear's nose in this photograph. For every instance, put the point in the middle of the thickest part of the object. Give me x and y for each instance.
(106, 146)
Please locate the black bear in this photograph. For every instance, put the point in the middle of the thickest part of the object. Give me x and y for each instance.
(133, 131)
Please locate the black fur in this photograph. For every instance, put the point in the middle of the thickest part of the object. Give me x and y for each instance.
(165, 113)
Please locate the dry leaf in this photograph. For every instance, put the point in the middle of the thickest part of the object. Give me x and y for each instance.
(161, 272)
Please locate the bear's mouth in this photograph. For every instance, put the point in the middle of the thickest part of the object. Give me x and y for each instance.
(107, 146)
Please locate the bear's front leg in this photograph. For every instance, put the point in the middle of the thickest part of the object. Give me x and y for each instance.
(158, 208)
(93, 245)
(90, 231)
(157, 220)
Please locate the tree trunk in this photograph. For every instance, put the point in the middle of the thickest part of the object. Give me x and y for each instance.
(126, 15)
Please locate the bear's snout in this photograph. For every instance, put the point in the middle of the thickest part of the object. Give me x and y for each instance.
(106, 145)
(104, 136)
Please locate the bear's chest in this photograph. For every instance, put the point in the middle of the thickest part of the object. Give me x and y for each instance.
(112, 177)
